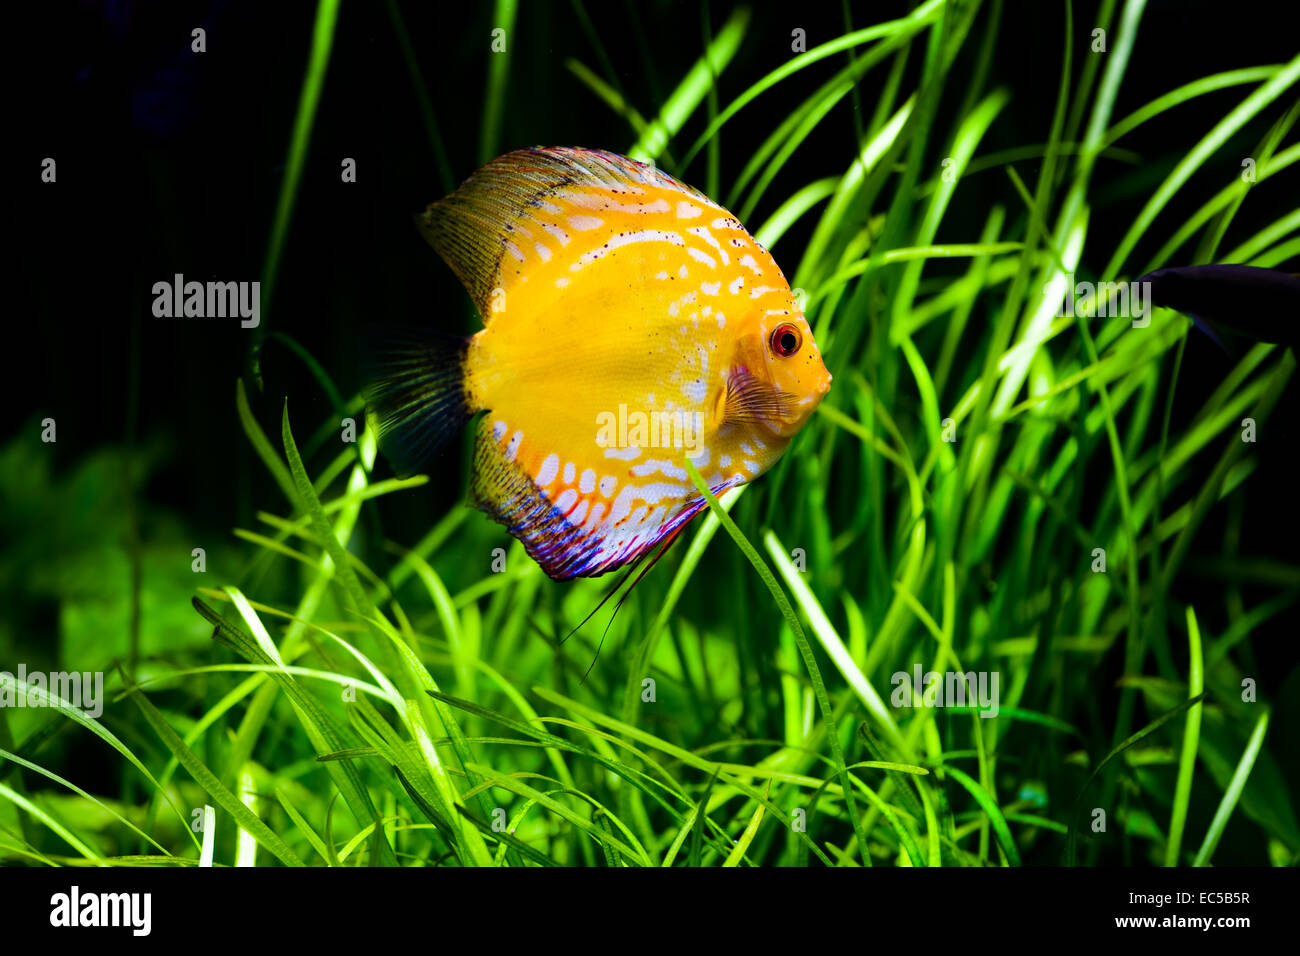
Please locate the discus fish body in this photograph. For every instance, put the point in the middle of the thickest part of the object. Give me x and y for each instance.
(630, 322)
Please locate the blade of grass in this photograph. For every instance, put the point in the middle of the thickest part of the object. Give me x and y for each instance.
(206, 779)
(494, 101)
(1191, 737)
(1233, 793)
(693, 88)
(991, 810)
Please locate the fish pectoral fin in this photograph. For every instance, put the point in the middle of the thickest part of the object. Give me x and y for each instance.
(415, 392)
(752, 401)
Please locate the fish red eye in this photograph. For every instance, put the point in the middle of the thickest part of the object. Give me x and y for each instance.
(786, 339)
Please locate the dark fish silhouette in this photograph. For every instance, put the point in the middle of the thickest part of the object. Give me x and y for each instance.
(1260, 304)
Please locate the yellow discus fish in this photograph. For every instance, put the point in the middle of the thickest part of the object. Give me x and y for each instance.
(629, 322)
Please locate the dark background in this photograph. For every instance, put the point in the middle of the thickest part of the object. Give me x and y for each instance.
(171, 161)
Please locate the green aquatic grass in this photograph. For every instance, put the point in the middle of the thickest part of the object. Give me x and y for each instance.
(418, 698)
(494, 100)
(1191, 737)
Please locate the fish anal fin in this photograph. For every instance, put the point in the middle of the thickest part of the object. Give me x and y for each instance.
(503, 488)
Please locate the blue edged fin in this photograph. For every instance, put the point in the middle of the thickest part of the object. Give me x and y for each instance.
(415, 392)
(1208, 329)
(502, 488)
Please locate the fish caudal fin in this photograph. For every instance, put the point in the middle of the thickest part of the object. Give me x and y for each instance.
(415, 392)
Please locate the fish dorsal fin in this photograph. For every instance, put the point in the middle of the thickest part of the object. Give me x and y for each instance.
(487, 229)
